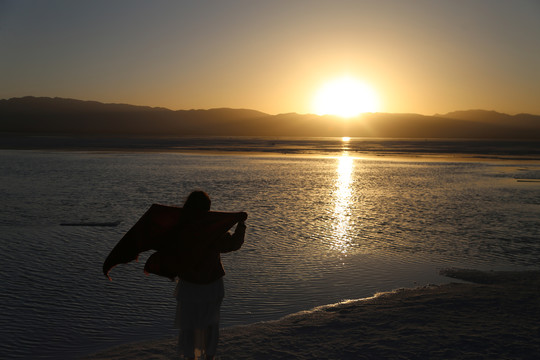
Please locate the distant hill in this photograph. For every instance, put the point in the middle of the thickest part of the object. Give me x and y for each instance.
(57, 116)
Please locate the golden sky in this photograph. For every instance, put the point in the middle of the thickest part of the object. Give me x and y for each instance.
(422, 57)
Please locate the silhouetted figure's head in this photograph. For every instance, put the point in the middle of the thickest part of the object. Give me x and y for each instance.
(198, 201)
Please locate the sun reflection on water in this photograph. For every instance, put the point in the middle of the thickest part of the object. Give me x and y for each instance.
(343, 193)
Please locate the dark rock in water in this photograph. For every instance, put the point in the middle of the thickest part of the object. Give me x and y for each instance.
(115, 223)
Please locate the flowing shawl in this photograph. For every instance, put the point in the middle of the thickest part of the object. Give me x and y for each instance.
(179, 238)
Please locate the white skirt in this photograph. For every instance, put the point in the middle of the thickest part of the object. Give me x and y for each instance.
(198, 305)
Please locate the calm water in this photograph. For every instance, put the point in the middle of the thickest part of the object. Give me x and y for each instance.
(320, 230)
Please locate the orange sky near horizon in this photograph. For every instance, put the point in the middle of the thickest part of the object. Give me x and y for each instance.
(419, 56)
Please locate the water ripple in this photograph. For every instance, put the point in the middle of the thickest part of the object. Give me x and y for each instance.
(320, 230)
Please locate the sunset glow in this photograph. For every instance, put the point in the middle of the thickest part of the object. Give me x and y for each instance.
(341, 58)
(369, 170)
(345, 97)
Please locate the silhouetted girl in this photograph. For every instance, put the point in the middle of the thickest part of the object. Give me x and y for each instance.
(200, 289)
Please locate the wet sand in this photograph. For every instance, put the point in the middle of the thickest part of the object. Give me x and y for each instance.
(497, 317)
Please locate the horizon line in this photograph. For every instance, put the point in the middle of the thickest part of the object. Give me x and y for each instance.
(263, 112)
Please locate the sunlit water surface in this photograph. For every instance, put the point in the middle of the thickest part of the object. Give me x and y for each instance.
(320, 230)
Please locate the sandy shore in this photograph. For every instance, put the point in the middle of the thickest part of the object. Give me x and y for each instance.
(497, 317)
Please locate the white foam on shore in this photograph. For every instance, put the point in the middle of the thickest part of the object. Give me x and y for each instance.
(432, 321)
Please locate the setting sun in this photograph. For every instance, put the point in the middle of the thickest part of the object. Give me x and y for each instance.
(345, 97)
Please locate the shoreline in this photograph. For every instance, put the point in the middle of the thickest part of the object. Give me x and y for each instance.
(496, 317)
(388, 149)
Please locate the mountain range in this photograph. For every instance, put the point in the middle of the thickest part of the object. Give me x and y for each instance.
(59, 116)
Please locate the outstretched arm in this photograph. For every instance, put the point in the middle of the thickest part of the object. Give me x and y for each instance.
(233, 242)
